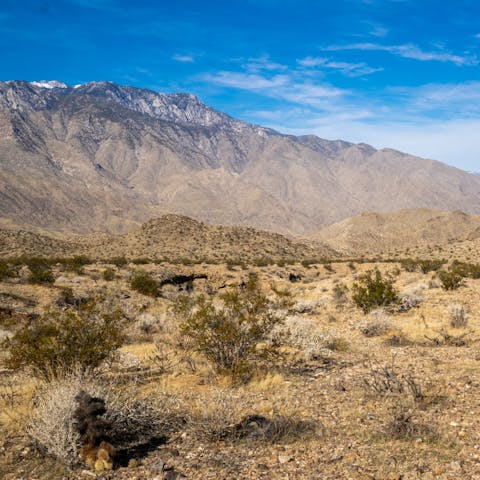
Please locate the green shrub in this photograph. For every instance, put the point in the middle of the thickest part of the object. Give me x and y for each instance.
(63, 342)
(463, 269)
(108, 274)
(141, 261)
(41, 276)
(409, 264)
(76, 264)
(427, 266)
(372, 291)
(5, 270)
(451, 279)
(145, 284)
(227, 334)
(118, 261)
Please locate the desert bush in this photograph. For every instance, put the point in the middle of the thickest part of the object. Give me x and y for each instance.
(40, 271)
(227, 334)
(303, 334)
(223, 416)
(389, 380)
(61, 342)
(409, 264)
(404, 424)
(458, 316)
(451, 280)
(304, 306)
(445, 338)
(340, 291)
(379, 324)
(6, 270)
(119, 261)
(145, 284)
(372, 291)
(131, 422)
(76, 264)
(408, 301)
(108, 274)
(465, 270)
(141, 261)
(67, 297)
(427, 266)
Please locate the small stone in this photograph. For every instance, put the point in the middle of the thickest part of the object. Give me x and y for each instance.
(285, 458)
(132, 463)
(159, 466)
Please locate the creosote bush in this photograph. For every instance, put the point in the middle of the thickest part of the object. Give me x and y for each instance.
(227, 334)
(108, 274)
(40, 271)
(61, 342)
(451, 280)
(145, 284)
(5, 270)
(373, 290)
(76, 264)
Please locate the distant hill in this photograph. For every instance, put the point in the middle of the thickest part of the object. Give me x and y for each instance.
(172, 237)
(373, 233)
(107, 157)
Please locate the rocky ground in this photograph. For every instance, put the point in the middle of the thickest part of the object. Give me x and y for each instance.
(393, 395)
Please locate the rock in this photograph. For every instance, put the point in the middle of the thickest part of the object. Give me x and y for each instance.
(132, 463)
(285, 458)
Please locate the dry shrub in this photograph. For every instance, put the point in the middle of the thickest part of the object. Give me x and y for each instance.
(458, 316)
(445, 338)
(303, 334)
(404, 424)
(408, 301)
(305, 306)
(224, 416)
(389, 380)
(378, 324)
(132, 421)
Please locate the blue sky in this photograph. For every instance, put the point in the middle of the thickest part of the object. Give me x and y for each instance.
(396, 73)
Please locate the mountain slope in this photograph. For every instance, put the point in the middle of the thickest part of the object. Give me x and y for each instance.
(374, 233)
(104, 157)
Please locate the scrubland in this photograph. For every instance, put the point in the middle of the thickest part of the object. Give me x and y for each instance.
(320, 387)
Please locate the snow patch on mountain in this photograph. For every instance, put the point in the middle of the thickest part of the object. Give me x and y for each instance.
(49, 84)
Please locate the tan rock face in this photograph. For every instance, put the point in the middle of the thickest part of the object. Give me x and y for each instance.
(103, 157)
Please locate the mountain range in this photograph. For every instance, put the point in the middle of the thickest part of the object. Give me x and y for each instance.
(106, 157)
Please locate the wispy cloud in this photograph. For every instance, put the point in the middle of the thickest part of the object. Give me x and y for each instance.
(409, 51)
(378, 30)
(279, 86)
(348, 69)
(262, 63)
(184, 58)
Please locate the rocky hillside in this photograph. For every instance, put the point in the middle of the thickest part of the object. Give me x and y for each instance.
(171, 237)
(105, 157)
(373, 233)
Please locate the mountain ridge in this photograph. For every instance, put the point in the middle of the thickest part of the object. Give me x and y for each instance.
(106, 157)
